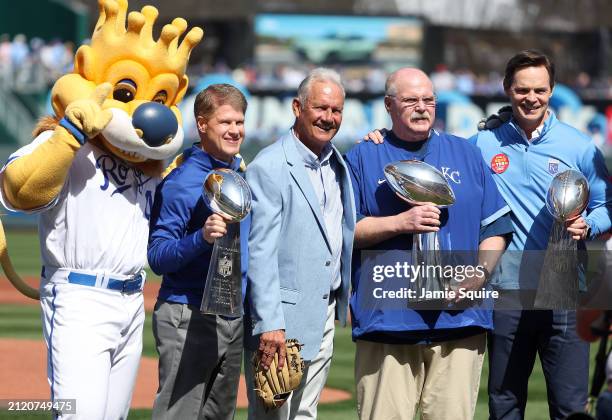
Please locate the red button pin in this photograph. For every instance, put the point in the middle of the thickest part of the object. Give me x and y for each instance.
(500, 163)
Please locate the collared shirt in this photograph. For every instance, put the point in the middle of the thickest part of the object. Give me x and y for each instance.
(325, 178)
(536, 133)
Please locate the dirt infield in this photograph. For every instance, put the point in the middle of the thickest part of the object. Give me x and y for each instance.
(23, 362)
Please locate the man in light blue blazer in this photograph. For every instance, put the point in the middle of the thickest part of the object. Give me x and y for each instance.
(300, 244)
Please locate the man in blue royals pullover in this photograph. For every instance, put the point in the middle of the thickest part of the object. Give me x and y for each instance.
(524, 154)
(199, 355)
(406, 358)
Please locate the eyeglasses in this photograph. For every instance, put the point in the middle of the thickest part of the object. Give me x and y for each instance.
(411, 101)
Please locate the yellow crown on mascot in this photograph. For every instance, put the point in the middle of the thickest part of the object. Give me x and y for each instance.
(112, 42)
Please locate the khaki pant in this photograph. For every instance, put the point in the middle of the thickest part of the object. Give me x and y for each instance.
(442, 378)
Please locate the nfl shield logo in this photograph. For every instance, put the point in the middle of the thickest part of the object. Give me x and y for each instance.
(225, 266)
(553, 166)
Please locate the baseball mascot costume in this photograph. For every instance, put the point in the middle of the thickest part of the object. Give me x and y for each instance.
(90, 173)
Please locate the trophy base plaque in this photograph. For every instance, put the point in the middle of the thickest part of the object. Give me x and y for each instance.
(558, 287)
(223, 289)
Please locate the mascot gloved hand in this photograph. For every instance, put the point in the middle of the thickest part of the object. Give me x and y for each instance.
(87, 115)
(91, 173)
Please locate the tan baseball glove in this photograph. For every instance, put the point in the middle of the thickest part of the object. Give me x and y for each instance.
(274, 386)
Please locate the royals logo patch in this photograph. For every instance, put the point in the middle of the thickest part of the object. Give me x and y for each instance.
(224, 267)
(553, 166)
(500, 163)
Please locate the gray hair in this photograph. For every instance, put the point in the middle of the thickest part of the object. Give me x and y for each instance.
(320, 74)
(390, 87)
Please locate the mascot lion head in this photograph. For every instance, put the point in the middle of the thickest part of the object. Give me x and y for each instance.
(147, 77)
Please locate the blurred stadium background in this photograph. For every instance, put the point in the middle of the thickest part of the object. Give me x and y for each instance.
(267, 46)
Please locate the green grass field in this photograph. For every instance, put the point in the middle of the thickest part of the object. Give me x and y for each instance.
(24, 322)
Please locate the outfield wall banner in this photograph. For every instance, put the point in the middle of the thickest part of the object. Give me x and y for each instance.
(269, 115)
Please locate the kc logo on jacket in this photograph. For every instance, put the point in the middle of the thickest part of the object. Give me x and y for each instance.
(450, 175)
(553, 166)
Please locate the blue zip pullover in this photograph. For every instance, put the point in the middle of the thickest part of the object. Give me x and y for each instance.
(177, 249)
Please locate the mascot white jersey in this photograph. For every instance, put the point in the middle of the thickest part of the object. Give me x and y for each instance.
(91, 174)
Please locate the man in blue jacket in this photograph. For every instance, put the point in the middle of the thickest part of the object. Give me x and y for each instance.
(300, 244)
(408, 358)
(199, 355)
(524, 155)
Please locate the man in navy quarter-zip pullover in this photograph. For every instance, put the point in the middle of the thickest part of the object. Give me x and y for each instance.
(199, 355)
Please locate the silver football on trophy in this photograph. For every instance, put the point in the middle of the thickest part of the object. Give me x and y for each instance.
(227, 193)
(568, 195)
(419, 182)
